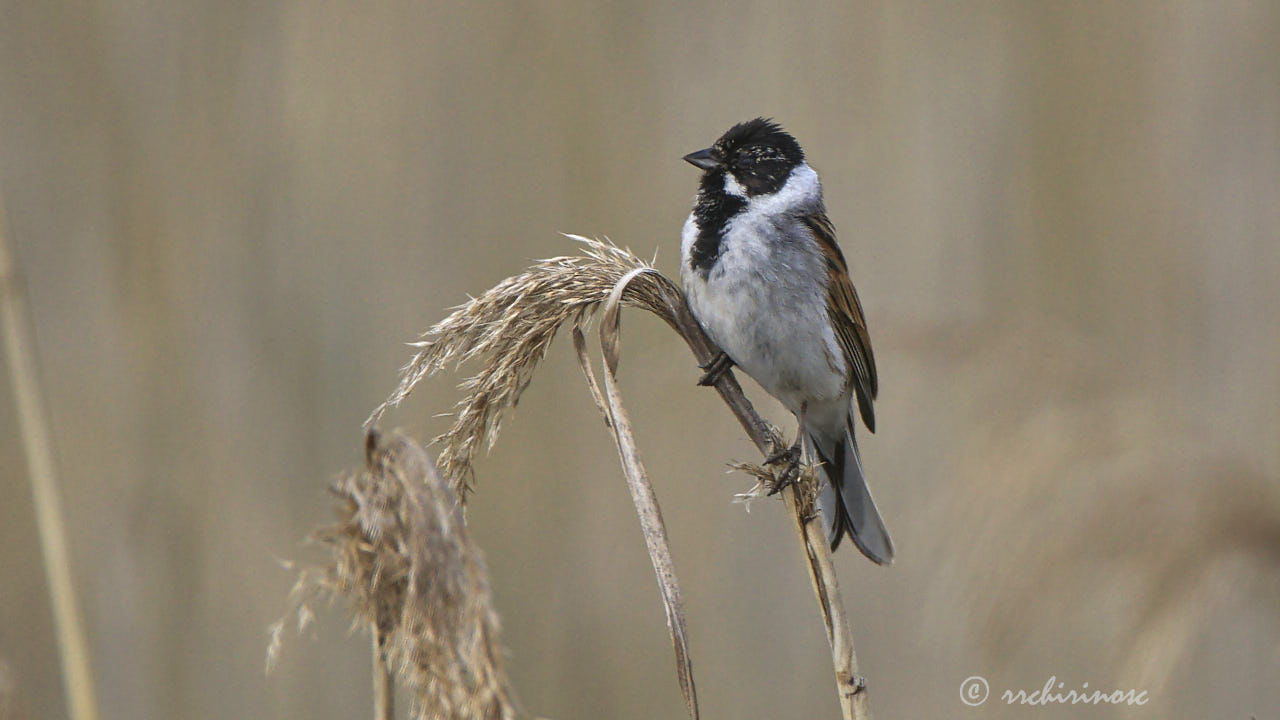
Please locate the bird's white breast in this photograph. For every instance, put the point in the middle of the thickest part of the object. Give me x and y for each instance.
(764, 301)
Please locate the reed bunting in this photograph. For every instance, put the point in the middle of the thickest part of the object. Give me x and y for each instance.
(768, 283)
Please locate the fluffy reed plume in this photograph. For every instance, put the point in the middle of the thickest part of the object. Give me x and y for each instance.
(507, 331)
(404, 563)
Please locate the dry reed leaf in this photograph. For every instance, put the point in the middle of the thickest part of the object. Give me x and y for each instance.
(642, 495)
(404, 563)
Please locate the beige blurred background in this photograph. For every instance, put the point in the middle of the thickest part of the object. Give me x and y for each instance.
(1063, 219)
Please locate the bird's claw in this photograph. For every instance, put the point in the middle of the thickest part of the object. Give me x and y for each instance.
(788, 455)
(784, 479)
(715, 370)
(789, 459)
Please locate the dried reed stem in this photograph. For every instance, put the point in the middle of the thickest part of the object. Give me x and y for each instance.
(384, 689)
(37, 441)
(850, 686)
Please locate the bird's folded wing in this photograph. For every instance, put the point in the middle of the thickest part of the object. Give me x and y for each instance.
(845, 311)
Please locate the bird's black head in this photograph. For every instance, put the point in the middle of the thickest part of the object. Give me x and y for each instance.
(758, 153)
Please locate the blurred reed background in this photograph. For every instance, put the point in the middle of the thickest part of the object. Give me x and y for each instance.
(1063, 219)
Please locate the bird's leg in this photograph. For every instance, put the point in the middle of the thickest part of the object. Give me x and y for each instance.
(790, 454)
(715, 369)
(790, 457)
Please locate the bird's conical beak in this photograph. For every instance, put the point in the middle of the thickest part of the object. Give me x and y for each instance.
(702, 160)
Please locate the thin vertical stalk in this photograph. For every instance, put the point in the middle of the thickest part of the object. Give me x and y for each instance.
(37, 443)
(384, 707)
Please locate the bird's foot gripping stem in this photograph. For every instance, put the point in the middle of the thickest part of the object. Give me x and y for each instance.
(715, 370)
(789, 459)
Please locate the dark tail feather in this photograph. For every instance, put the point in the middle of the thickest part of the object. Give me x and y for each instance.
(845, 502)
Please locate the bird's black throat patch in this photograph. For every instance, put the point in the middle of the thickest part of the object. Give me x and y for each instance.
(712, 211)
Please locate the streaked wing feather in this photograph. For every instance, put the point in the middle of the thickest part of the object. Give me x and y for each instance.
(845, 311)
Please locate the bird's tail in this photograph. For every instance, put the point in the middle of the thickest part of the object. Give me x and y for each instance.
(845, 501)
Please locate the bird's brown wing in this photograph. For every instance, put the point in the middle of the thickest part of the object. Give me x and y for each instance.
(845, 311)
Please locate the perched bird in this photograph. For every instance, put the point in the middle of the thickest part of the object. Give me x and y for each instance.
(767, 282)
